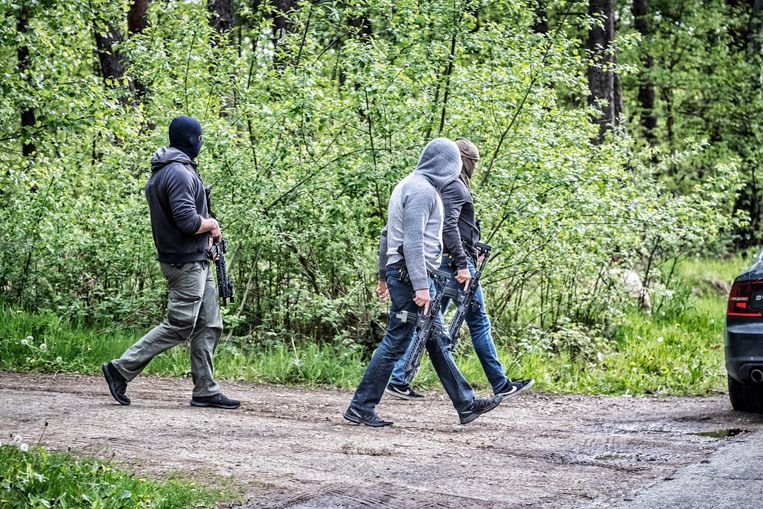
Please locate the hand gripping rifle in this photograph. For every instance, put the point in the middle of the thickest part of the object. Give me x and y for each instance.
(427, 325)
(217, 254)
(467, 301)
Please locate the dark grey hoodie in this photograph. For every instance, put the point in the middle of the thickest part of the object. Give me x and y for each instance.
(177, 202)
(414, 217)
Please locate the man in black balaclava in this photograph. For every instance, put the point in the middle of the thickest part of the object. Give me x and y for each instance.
(183, 232)
(185, 135)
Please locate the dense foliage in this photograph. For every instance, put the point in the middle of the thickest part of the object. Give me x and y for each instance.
(312, 115)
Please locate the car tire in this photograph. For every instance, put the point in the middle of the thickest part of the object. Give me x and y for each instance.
(746, 397)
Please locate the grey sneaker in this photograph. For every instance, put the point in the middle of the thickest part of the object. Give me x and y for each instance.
(478, 407)
(514, 387)
(215, 401)
(404, 392)
(117, 383)
(365, 418)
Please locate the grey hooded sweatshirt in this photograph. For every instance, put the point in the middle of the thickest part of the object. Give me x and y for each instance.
(415, 214)
(178, 203)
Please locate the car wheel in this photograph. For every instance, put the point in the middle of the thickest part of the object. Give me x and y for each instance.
(746, 397)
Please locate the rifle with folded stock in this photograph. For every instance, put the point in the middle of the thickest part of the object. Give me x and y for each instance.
(224, 285)
(427, 325)
(466, 301)
(217, 254)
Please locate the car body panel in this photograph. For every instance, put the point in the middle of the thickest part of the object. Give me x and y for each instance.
(743, 334)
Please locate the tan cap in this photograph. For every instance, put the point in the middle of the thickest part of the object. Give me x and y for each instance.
(468, 149)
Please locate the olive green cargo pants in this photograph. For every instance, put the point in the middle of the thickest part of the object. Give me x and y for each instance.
(193, 315)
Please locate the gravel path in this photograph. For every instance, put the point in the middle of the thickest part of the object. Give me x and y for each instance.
(290, 448)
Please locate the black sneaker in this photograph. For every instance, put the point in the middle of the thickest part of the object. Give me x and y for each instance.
(215, 401)
(366, 418)
(514, 387)
(478, 407)
(404, 392)
(506, 390)
(117, 383)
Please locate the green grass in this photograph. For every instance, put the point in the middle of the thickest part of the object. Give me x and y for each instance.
(649, 356)
(698, 270)
(675, 350)
(37, 478)
(43, 342)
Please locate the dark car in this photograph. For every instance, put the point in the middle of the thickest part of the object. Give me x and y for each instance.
(744, 340)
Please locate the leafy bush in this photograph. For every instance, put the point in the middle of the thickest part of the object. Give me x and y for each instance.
(303, 146)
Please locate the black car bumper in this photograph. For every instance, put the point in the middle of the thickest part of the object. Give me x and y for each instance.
(744, 350)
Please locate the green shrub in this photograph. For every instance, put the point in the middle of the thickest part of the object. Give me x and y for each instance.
(304, 152)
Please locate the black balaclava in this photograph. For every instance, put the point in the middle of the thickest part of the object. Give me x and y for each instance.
(185, 135)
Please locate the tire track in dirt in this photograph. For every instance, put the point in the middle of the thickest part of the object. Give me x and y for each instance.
(289, 447)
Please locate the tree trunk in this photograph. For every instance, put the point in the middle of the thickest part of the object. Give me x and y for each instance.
(223, 15)
(137, 17)
(112, 62)
(27, 112)
(541, 17)
(362, 24)
(448, 74)
(746, 36)
(282, 25)
(603, 82)
(222, 18)
(361, 30)
(137, 21)
(756, 26)
(646, 95)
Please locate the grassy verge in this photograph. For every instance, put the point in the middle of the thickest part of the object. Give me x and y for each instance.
(36, 478)
(44, 342)
(678, 349)
(682, 356)
(675, 350)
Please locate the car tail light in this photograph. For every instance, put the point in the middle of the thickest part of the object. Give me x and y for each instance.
(746, 299)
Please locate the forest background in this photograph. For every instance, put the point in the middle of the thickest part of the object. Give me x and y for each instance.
(615, 136)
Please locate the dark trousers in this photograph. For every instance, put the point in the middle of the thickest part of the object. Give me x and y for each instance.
(393, 346)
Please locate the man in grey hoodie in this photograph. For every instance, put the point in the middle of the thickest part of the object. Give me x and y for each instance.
(415, 220)
(460, 236)
(183, 233)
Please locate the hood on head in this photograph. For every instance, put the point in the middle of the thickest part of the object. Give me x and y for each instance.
(167, 155)
(470, 154)
(440, 162)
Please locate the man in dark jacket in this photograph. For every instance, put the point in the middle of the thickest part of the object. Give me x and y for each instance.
(183, 233)
(413, 242)
(460, 233)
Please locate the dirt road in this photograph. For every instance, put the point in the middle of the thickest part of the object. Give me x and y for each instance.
(290, 447)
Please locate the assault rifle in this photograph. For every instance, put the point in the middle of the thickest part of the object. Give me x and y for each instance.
(217, 254)
(427, 325)
(467, 301)
(224, 285)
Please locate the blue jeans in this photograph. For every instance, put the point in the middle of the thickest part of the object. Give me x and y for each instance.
(395, 343)
(479, 329)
